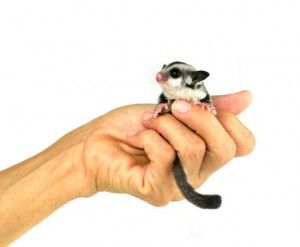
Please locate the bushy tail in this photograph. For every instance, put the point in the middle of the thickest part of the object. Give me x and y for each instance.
(202, 201)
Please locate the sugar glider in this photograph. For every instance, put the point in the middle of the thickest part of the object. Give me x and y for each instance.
(179, 80)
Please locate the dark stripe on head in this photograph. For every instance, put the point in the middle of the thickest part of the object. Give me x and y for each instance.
(177, 62)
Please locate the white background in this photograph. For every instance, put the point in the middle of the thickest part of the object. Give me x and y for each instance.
(63, 63)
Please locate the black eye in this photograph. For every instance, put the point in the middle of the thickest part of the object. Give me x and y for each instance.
(175, 73)
(163, 66)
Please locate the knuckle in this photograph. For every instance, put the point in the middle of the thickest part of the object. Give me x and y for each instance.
(157, 199)
(228, 152)
(178, 197)
(159, 202)
(154, 193)
(147, 134)
(247, 145)
(168, 154)
(196, 150)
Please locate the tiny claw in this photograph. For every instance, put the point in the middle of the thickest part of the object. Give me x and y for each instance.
(207, 106)
(161, 109)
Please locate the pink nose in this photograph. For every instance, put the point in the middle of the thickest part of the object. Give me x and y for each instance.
(159, 77)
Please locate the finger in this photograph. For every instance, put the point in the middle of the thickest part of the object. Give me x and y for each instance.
(218, 142)
(242, 136)
(157, 186)
(160, 153)
(234, 103)
(189, 146)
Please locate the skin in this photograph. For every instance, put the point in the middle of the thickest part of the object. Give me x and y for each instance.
(123, 151)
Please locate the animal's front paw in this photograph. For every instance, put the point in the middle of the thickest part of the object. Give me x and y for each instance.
(161, 109)
(207, 106)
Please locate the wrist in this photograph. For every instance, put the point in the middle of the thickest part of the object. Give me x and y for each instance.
(76, 180)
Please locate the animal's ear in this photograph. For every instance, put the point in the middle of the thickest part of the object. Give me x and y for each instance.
(199, 75)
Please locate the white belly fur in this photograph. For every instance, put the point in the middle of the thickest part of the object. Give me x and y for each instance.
(185, 93)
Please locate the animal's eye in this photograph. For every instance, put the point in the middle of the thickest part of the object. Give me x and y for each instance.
(163, 66)
(175, 73)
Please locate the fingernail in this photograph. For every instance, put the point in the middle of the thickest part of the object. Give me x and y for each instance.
(181, 106)
(147, 115)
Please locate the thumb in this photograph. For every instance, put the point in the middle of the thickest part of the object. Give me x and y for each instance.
(234, 103)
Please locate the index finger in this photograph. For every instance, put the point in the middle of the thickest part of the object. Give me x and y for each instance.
(159, 151)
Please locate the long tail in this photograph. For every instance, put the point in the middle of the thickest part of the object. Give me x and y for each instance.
(202, 201)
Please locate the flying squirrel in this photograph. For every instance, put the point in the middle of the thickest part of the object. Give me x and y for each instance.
(179, 80)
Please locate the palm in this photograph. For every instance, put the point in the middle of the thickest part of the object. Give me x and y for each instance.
(119, 166)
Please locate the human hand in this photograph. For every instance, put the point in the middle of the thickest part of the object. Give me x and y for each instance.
(121, 153)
